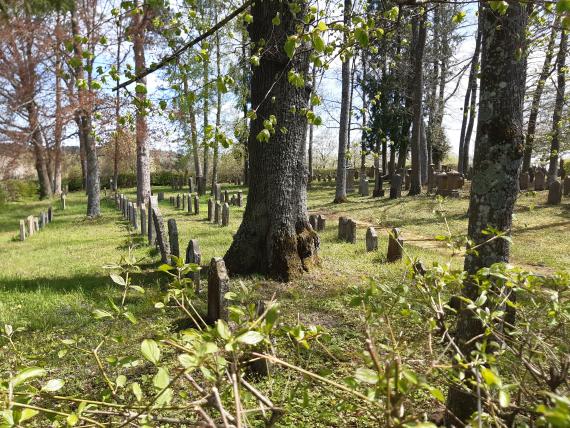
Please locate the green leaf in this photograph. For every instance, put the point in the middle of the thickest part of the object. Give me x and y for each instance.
(490, 377)
(321, 26)
(161, 379)
(504, 398)
(27, 414)
(72, 420)
(121, 381)
(276, 20)
(100, 314)
(290, 46)
(53, 385)
(137, 391)
(150, 350)
(129, 315)
(250, 337)
(366, 375)
(437, 394)
(223, 330)
(27, 374)
(563, 6)
(318, 43)
(361, 36)
(117, 279)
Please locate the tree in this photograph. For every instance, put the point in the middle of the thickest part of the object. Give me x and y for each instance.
(340, 192)
(498, 157)
(558, 108)
(275, 237)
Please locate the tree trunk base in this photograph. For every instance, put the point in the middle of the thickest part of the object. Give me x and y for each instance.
(340, 200)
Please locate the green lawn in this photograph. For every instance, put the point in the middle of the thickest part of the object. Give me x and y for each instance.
(51, 283)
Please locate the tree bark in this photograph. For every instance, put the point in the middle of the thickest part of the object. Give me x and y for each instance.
(275, 237)
(498, 157)
(558, 107)
(311, 126)
(218, 111)
(117, 111)
(58, 125)
(417, 106)
(340, 192)
(83, 118)
(140, 22)
(534, 109)
(206, 112)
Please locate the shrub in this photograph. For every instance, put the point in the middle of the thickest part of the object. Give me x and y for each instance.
(15, 190)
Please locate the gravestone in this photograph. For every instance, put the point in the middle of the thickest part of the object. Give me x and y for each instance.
(36, 224)
(178, 201)
(117, 201)
(371, 239)
(225, 214)
(217, 191)
(151, 232)
(196, 205)
(321, 222)
(160, 196)
(22, 230)
(378, 191)
(555, 193)
(341, 227)
(226, 196)
(395, 246)
(218, 286)
(189, 200)
(173, 237)
(31, 225)
(161, 238)
(210, 209)
(50, 214)
(239, 198)
(184, 202)
(41, 221)
(350, 180)
(63, 200)
(523, 181)
(194, 256)
(134, 217)
(143, 220)
(539, 180)
(396, 186)
(313, 221)
(218, 213)
(351, 231)
(222, 197)
(431, 177)
(191, 184)
(567, 186)
(364, 188)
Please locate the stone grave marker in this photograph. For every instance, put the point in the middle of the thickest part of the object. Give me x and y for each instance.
(161, 238)
(554, 193)
(218, 286)
(184, 202)
(567, 186)
(194, 256)
(539, 180)
(22, 230)
(396, 186)
(371, 239)
(218, 213)
(313, 221)
(210, 209)
(63, 201)
(395, 246)
(143, 219)
(178, 201)
(239, 198)
(196, 205)
(523, 181)
(173, 237)
(31, 225)
(225, 214)
(321, 222)
(50, 214)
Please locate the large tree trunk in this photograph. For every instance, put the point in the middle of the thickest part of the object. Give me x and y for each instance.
(558, 107)
(143, 152)
(340, 192)
(533, 115)
(498, 156)
(417, 106)
(275, 237)
(311, 126)
(84, 121)
(39, 151)
(469, 106)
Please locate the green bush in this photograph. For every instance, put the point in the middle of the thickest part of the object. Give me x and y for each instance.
(15, 190)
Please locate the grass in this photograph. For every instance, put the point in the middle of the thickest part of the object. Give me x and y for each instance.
(50, 283)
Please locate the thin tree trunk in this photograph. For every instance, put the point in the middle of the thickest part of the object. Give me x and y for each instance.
(362, 175)
(218, 111)
(423, 153)
(191, 111)
(275, 237)
(534, 109)
(417, 97)
(245, 61)
(558, 108)
(83, 117)
(206, 112)
(143, 152)
(39, 150)
(311, 126)
(58, 126)
(117, 111)
(498, 157)
(340, 192)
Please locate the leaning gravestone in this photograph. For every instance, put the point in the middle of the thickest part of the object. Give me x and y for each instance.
(210, 209)
(396, 186)
(321, 223)
(196, 205)
(161, 238)
(194, 256)
(225, 214)
(555, 193)
(218, 213)
(173, 237)
(143, 219)
(539, 180)
(218, 286)
(395, 246)
(523, 180)
(371, 239)
(22, 230)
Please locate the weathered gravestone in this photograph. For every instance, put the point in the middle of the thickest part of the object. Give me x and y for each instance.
(196, 205)
(178, 201)
(36, 224)
(194, 256)
(160, 196)
(350, 180)
(321, 222)
(539, 180)
(191, 184)
(226, 196)
(395, 246)
(143, 220)
(555, 193)
(347, 230)
(371, 239)
(161, 238)
(218, 213)
(218, 286)
(239, 198)
(523, 180)
(50, 214)
(364, 188)
(210, 209)
(313, 221)
(396, 186)
(222, 197)
(378, 185)
(567, 186)
(225, 214)
(173, 237)
(31, 225)
(184, 202)
(217, 191)
(189, 200)
(41, 221)
(22, 230)
(151, 232)
(63, 201)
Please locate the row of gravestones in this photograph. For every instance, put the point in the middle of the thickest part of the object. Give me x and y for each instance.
(218, 279)
(31, 224)
(556, 189)
(347, 233)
